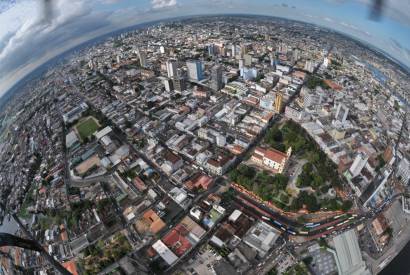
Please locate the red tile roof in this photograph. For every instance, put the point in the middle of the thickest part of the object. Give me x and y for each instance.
(176, 241)
(272, 154)
(71, 267)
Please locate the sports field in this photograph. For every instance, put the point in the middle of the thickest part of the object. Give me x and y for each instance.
(87, 127)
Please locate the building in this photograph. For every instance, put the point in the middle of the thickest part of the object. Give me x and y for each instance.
(75, 113)
(164, 252)
(216, 78)
(271, 158)
(171, 163)
(278, 102)
(249, 73)
(71, 140)
(180, 197)
(241, 63)
(168, 84)
(172, 68)
(100, 134)
(348, 256)
(179, 84)
(358, 164)
(311, 98)
(310, 66)
(194, 70)
(341, 113)
(403, 171)
(219, 165)
(267, 102)
(405, 204)
(236, 89)
(295, 113)
(247, 59)
(149, 223)
(261, 237)
(143, 59)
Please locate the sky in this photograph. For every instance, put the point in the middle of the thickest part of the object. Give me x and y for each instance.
(28, 39)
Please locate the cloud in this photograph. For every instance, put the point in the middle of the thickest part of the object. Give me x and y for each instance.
(109, 2)
(29, 38)
(159, 4)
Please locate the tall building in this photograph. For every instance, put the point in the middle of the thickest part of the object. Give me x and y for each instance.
(162, 49)
(341, 113)
(295, 55)
(168, 84)
(249, 73)
(241, 64)
(216, 78)
(403, 171)
(310, 66)
(248, 59)
(234, 52)
(278, 102)
(194, 70)
(172, 68)
(358, 164)
(142, 58)
(179, 84)
(211, 49)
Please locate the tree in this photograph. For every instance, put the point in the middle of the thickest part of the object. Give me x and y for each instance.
(281, 181)
(308, 260)
(346, 205)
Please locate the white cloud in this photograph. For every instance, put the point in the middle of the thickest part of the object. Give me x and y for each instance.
(159, 4)
(26, 36)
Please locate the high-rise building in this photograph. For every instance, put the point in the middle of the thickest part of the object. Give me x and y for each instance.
(295, 55)
(310, 66)
(248, 59)
(211, 49)
(162, 49)
(142, 58)
(234, 52)
(216, 78)
(325, 62)
(278, 102)
(168, 84)
(249, 73)
(179, 84)
(403, 171)
(172, 68)
(341, 113)
(358, 164)
(241, 64)
(194, 70)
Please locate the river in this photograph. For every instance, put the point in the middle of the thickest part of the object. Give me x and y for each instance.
(400, 264)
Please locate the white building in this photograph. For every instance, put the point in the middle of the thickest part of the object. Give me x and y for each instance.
(271, 158)
(358, 164)
(348, 256)
(164, 252)
(403, 171)
(194, 70)
(172, 68)
(341, 113)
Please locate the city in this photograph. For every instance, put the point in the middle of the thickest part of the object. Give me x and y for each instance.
(210, 145)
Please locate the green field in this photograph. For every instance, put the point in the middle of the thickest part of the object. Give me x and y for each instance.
(87, 127)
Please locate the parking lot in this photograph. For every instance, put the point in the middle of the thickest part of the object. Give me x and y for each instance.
(202, 262)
